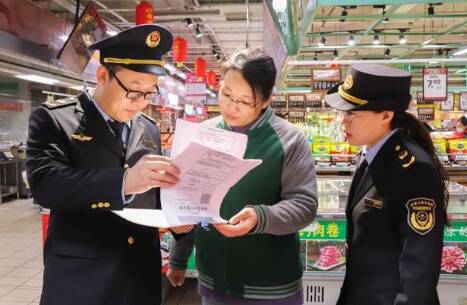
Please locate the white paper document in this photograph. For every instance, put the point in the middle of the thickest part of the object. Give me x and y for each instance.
(227, 141)
(145, 217)
(207, 175)
(210, 161)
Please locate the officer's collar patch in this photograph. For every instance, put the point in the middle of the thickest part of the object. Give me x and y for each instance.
(421, 215)
(378, 204)
(149, 144)
(60, 102)
(406, 158)
(81, 137)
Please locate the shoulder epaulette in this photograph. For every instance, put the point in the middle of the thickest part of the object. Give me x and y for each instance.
(405, 158)
(60, 103)
(149, 118)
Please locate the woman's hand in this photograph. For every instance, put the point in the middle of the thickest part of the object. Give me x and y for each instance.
(240, 224)
(176, 277)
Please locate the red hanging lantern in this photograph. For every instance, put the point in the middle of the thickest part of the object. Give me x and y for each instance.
(144, 13)
(200, 67)
(212, 79)
(179, 50)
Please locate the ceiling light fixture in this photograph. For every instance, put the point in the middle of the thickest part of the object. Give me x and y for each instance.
(343, 14)
(460, 52)
(351, 41)
(376, 40)
(189, 22)
(37, 79)
(198, 32)
(322, 42)
(111, 32)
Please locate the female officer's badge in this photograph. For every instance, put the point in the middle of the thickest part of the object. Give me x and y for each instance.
(421, 214)
(153, 39)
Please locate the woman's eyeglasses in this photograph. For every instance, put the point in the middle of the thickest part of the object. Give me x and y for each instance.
(133, 94)
(241, 104)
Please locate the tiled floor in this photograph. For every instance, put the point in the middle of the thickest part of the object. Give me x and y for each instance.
(21, 258)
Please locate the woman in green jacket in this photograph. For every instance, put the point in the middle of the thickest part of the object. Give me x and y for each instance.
(254, 259)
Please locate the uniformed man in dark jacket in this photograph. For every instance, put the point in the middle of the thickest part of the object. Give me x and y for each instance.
(396, 208)
(96, 153)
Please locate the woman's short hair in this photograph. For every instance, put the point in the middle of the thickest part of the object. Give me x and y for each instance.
(257, 68)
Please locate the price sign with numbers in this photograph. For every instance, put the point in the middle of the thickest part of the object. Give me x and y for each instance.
(463, 101)
(448, 104)
(435, 84)
(426, 114)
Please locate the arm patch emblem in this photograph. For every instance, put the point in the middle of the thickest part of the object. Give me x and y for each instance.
(421, 215)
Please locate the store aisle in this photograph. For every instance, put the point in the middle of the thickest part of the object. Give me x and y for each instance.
(21, 258)
(20, 253)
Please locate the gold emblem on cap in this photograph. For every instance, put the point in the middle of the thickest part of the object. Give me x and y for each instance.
(153, 39)
(348, 83)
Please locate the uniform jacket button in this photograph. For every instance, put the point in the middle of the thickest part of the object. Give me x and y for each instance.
(106, 205)
(126, 165)
(131, 240)
(94, 206)
(100, 205)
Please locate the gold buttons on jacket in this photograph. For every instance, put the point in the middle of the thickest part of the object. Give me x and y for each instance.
(126, 165)
(131, 240)
(100, 205)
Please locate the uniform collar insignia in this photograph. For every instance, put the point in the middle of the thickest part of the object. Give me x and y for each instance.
(81, 137)
(149, 144)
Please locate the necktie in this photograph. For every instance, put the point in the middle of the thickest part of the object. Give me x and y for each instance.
(358, 177)
(117, 128)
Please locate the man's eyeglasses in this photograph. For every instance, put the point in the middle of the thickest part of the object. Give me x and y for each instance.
(241, 104)
(133, 94)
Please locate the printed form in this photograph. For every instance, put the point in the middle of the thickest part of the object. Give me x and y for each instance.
(211, 161)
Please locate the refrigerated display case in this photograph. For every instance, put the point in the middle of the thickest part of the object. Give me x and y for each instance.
(323, 245)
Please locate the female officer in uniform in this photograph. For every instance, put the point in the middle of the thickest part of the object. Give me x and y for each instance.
(397, 202)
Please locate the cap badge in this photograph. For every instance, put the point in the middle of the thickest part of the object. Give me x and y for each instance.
(153, 39)
(348, 83)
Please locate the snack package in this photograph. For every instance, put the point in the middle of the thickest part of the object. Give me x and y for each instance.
(457, 149)
(339, 151)
(321, 150)
(441, 149)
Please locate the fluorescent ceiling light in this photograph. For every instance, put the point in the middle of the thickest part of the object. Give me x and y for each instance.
(37, 79)
(427, 41)
(461, 71)
(181, 74)
(460, 52)
(170, 68)
(111, 32)
(433, 62)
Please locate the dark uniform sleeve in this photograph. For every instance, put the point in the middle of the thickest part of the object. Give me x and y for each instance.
(421, 220)
(55, 184)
